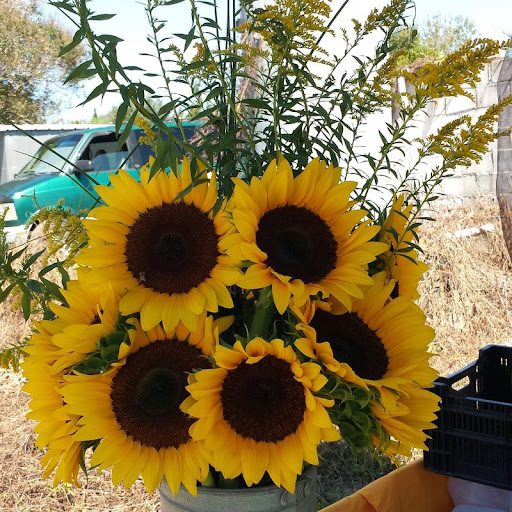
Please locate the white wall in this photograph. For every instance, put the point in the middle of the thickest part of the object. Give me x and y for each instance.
(480, 178)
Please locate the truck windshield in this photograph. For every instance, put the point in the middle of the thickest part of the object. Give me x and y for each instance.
(147, 151)
(47, 162)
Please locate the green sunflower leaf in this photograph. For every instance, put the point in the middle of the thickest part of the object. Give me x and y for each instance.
(26, 301)
(362, 421)
(91, 365)
(110, 354)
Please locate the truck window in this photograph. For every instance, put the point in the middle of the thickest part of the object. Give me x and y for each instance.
(103, 152)
(47, 162)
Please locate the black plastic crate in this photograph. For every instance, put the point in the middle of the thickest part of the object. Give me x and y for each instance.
(473, 439)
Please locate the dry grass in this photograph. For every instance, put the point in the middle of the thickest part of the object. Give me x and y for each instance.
(467, 292)
(341, 472)
(467, 296)
(21, 486)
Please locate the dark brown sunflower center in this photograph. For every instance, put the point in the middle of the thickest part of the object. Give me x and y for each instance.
(172, 248)
(263, 401)
(147, 391)
(298, 243)
(158, 391)
(352, 342)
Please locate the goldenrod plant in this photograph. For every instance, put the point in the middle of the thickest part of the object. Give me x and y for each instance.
(239, 305)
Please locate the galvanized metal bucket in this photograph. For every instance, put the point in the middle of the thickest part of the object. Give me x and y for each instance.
(255, 499)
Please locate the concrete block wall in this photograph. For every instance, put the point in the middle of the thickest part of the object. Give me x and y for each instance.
(481, 177)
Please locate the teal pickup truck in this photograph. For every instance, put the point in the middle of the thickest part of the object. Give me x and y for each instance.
(50, 177)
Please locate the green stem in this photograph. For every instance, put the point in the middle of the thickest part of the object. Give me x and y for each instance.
(98, 50)
(209, 482)
(228, 483)
(263, 315)
(220, 76)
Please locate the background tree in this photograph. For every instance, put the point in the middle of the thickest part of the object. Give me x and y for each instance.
(433, 39)
(31, 72)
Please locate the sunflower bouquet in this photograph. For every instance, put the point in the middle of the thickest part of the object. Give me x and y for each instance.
(195, 343)
(237, 306)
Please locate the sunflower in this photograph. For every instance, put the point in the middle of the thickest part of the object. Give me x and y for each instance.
(404, 267)
(55, 426)
(159, 240)
(82, 302)
(382, 342)
(300, 235)
(258, 412)
(133, 409)
(97, 313)
(406, 422)
(55, 346)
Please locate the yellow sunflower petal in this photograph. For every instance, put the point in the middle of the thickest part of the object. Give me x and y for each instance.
(173, 469)
(153, 472)
(281, 293)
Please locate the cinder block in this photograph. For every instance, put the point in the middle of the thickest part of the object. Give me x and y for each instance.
(500, 70)
(460, 186)
(504, 181)
(458, 105)
(485, 166)
(504, 88)
(486, 95)
(496, 68)
(486, 184)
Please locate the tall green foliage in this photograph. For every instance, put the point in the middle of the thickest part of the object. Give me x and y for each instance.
(267, 86)
(31, 70)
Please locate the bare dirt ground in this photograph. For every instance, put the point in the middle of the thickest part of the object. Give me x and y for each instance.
(467, 295)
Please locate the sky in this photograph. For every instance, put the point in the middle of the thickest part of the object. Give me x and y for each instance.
(492, 18)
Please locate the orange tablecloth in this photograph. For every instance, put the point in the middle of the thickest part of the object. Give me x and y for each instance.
(407, 489)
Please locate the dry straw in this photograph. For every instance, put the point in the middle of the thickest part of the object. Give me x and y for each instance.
(467, 292)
